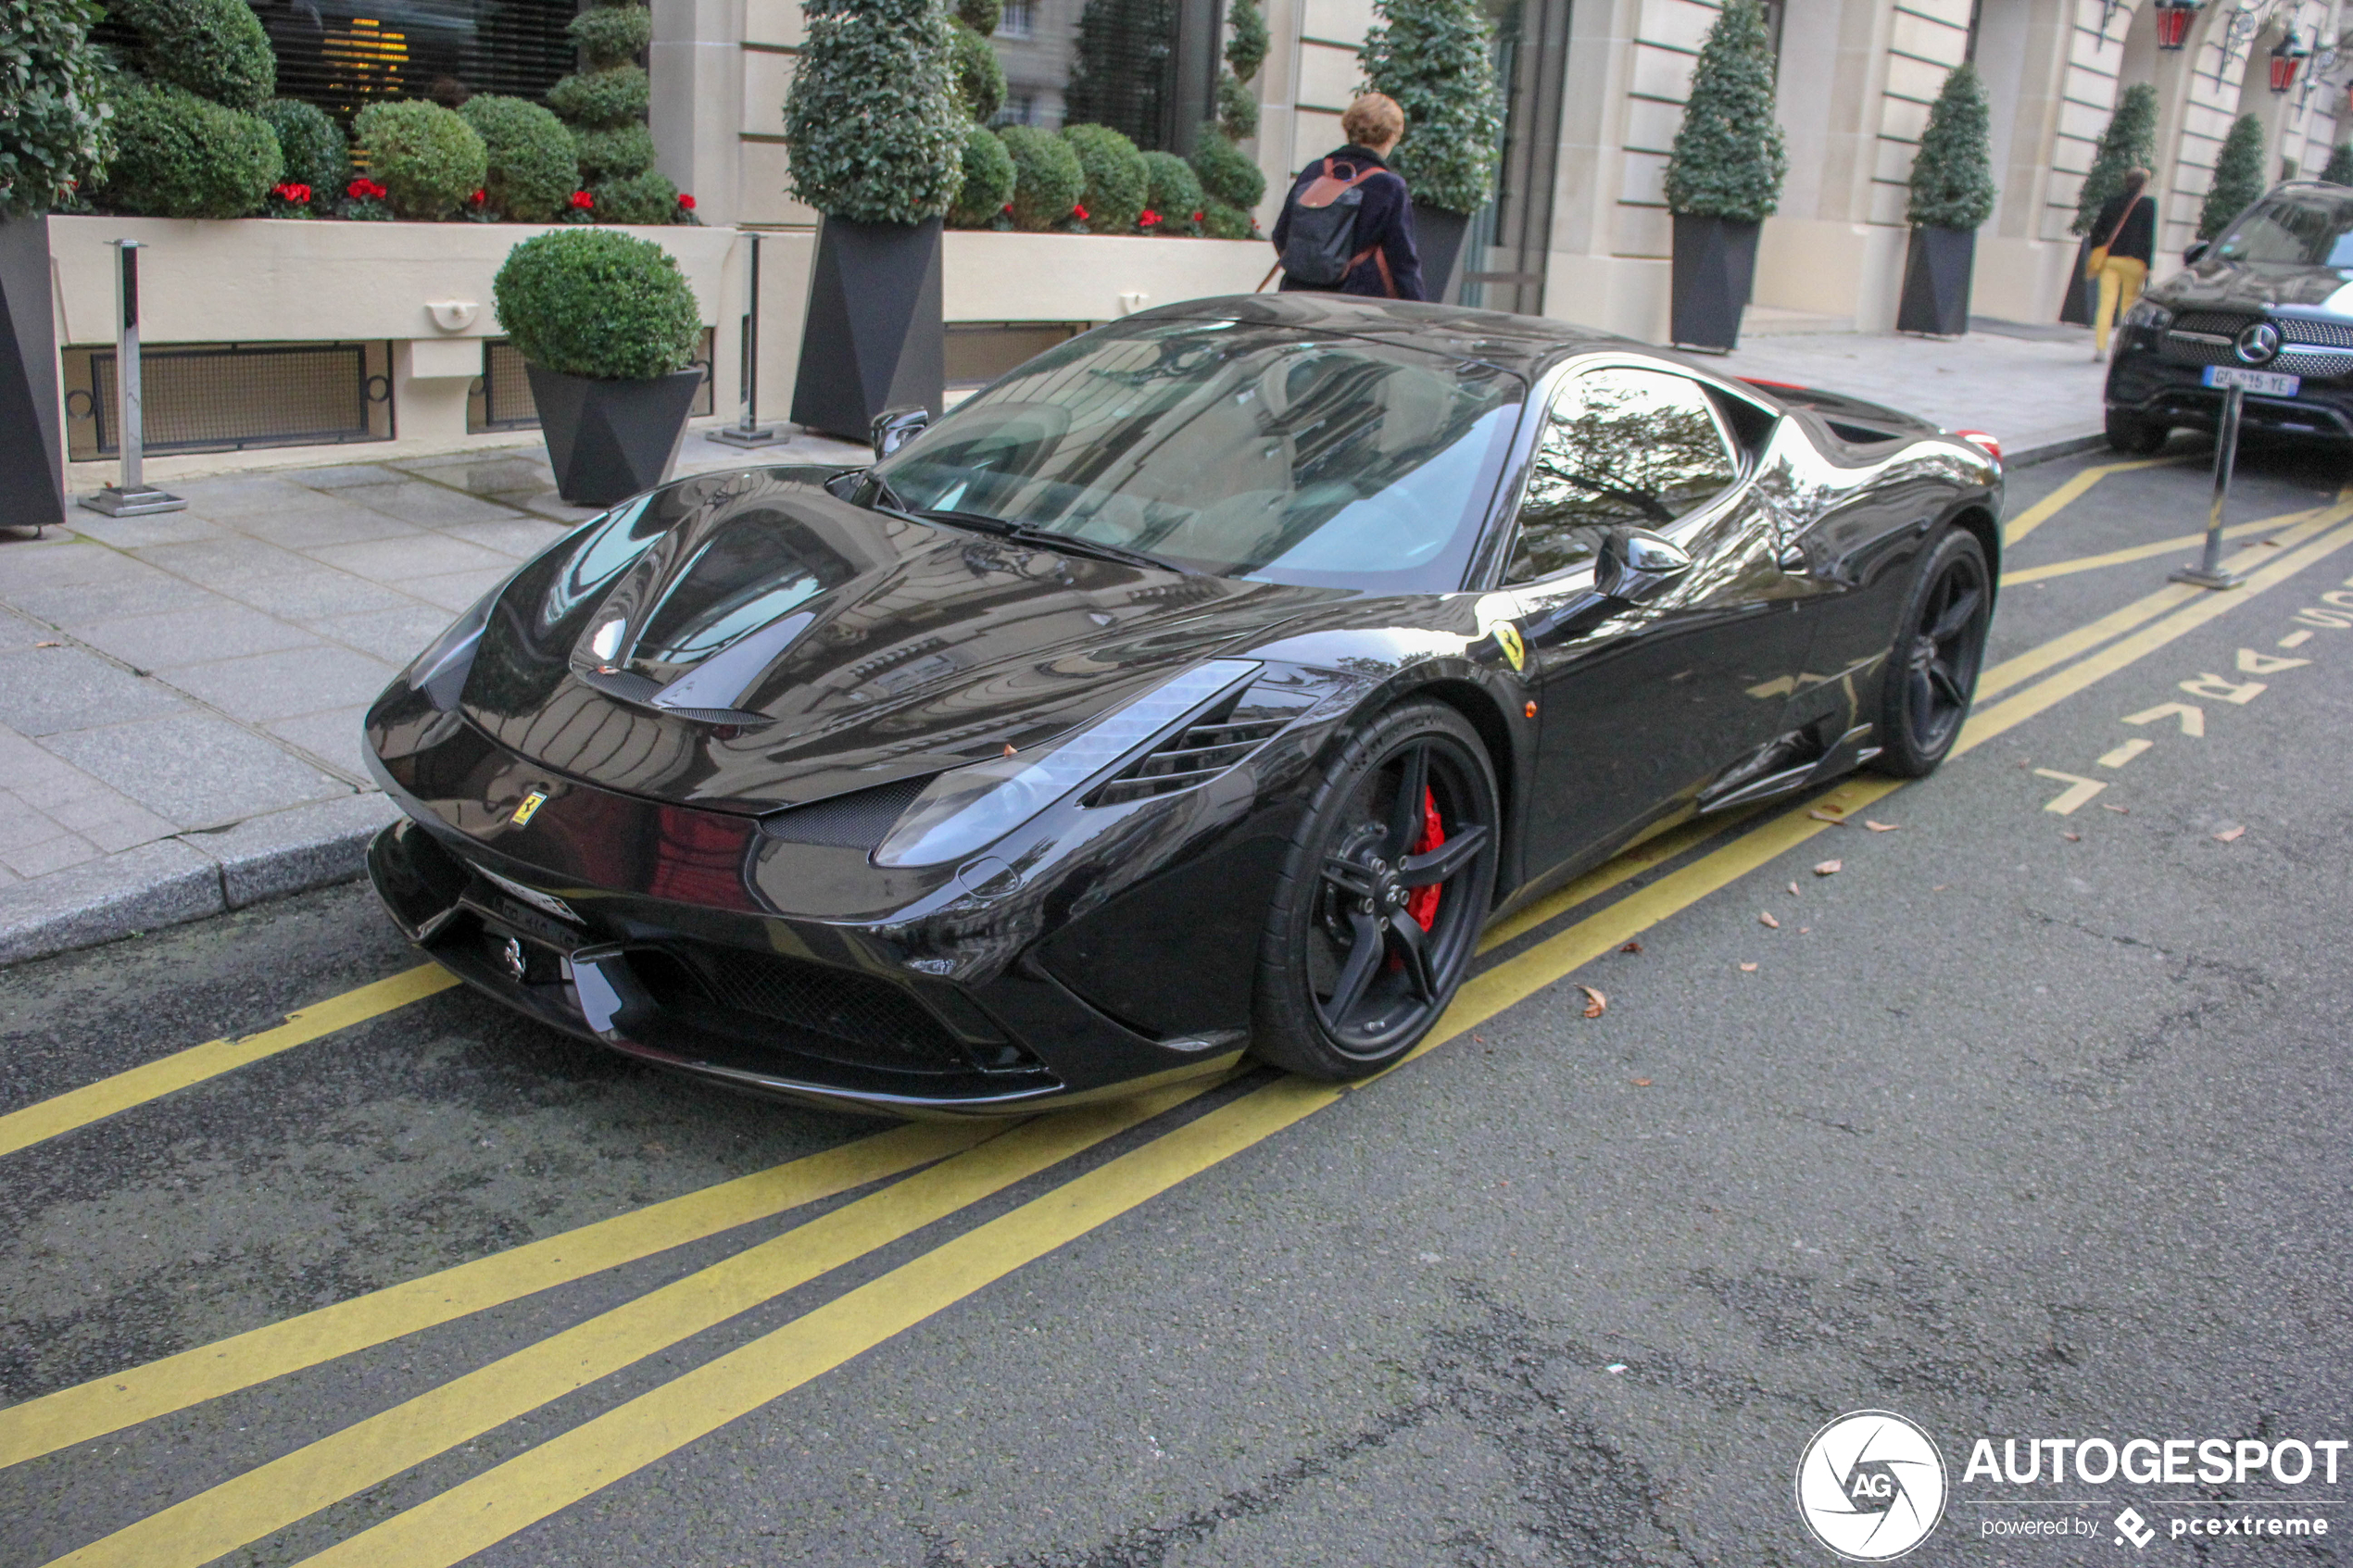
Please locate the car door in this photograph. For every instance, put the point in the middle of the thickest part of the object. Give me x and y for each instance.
(1642, 703)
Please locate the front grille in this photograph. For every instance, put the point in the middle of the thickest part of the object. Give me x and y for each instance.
(2183, 351)
(883, 1025)
(2312, 365)
(2222, 322)
(857, 821)
(2332, 334)
(1193, 755)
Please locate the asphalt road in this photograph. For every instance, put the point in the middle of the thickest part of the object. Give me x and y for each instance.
(2023, 1123)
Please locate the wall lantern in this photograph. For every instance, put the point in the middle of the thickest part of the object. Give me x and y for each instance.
(2173, 22)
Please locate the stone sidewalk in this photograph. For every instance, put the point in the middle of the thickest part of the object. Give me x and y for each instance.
(181, 695)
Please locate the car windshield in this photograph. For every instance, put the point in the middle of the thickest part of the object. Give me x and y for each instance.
(1234, 449)
(2297, 228)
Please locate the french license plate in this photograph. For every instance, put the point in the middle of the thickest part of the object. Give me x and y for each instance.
(2271, 383)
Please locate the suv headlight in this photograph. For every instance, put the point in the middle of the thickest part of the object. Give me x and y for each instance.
(966, 808)
(2148, 313)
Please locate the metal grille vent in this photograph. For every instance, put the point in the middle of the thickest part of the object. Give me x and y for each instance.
(2223, 323)
(2327, 334)
(888, 1027)
(857, 821)
(225, 396)
(1194, 754)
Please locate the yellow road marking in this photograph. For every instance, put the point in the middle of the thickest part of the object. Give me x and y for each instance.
(2078, 791)
(2117, 755)
(361, 1455)
(1626, 863)
(125, 1398)
(94, 1102)
(2143, 552)
(2067, 494)
(2190, 715)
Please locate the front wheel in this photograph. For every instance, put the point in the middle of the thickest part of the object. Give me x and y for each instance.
(1383, 893)
(2130, 433)
(1932, 669)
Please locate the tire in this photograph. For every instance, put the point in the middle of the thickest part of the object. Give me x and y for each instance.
(1933, 664)
(1316, 1012)
(2130, 433)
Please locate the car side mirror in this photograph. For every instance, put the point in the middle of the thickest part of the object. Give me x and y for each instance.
(893, 428)
(2195, 254)
(1636, 563)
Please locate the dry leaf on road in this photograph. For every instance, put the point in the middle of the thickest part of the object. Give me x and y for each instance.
(1830, 868)
(1596, 1003)
(2072, 837)
(1766, 918)
(1632, 948)
(1641, 1083)
(1793, 890)
(48, 644)
(2120, 811)
(1831, 816)
(2229, 836)
(1881, 827)
(1748, 969)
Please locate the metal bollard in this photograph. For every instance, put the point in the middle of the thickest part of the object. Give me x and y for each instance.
(2208, 572)
(133, 496)
(748, 432)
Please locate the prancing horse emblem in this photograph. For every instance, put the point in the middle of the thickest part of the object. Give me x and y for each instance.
(1507, 639)
(531, 803)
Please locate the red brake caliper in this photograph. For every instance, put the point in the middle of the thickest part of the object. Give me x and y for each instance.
(1422, 902)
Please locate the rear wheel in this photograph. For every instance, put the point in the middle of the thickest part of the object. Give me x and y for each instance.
(1932, 669)
(1382, 896)
(2132, 433)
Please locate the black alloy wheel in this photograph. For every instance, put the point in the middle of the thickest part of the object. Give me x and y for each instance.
(1932, 669)
(1382, 897)
(2130, 433)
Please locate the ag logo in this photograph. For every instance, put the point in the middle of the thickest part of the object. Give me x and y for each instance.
(1870, 1486)
(2259, 345)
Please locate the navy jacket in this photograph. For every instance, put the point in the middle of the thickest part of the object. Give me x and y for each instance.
(1385, 219)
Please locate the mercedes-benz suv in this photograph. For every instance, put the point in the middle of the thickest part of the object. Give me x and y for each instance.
(2274, 293)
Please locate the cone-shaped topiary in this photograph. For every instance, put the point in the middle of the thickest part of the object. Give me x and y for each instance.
(1116, 177)
(2238, 177)
(1047, 178)
(593, 303)
(1173, 190)
(214, 48)
(180, 155)
(980, 77)
(532, 170)
(55, 135)
(2339, 170)
(315, 150)
(1246, 50)
(2129, 142)
(1953, 173)
(1119, 75)
(1436, 58)
(427, 158)
(1728, 160)
(1227, 172)
(872, 121)
(989, 180)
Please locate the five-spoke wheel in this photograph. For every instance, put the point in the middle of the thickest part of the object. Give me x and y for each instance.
(1933, 667)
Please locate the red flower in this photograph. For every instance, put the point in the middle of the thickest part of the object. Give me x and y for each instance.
(291, 192)
(1079, 213)
(366, 190)
(478, 197)
(582, 200)
(1146, 219)
(685, 201)
(1196, 216)
(1009, 207)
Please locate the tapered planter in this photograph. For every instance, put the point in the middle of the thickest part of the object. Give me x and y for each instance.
(1438, 236)
(1714, 268)
(1936, 278)
(31, 472)
(873, 338)
(2081, 293)
(608, 440)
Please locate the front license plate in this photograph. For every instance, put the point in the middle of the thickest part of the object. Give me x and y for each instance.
(2271, 383)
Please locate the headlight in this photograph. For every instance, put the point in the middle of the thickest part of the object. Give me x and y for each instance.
(968, 808)
(2148, 313)
(440, 671)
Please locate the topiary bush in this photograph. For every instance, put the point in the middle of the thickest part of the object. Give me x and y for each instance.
(532, 170)
(1237, 107)
(427, 157)
(1116, 177)
(872, 121)
(980, 79)
(1436, 58)
(179, 156)
(605, 107)
(1246, 50)
(1728, 160)
(56, 135)
(989, 180)
(1953, 173)
(622, 153)
(983, 17)
(2129, 142)
(600, 100)
(314, 148)
(1227, 172)
(1221, 221)
(1172, 190)
(214, 48)
(2339, 170)
(1047, 178)
(645, 197)
(589, 302)
(2238, 177)
(613, 36)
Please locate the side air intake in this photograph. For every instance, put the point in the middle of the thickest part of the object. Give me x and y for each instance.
(1194, 754)
(857, 821)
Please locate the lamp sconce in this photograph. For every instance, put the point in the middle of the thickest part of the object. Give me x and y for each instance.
(453, 315)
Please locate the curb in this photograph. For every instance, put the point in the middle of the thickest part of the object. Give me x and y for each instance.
(2055, 447)
(189, 877)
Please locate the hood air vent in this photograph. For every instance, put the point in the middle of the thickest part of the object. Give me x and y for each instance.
(1194, 754)
(857, 821)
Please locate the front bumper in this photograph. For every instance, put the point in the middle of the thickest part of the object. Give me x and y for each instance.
(2156, 376)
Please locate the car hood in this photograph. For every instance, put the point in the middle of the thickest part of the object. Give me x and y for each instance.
(2254, 286)
(749, 641)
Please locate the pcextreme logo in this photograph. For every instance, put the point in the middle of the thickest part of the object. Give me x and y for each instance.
(1870, 1486)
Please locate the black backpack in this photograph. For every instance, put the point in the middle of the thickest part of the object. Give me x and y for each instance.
(1320, 249)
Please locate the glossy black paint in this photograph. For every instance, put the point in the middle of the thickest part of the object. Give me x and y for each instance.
(656, 866)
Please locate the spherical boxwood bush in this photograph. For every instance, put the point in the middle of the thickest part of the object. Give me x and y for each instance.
(532, 171)
(980, 79)
(1237, 107)
(1220, 221)
(620, 153)
(602, 99)
(989, 180)
(316, 152)
(644, 198)
(593, 303)
(427, 158)
(1173, 190)
(1048, 179)
(981, 15)
(613, 36)
(1116, 177)
(872, 121)
(179, 156)
(214, 48)
(1226, 171)
(53, 136)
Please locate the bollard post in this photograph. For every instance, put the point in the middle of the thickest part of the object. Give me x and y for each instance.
(2208, 572)
(747, 431)
(133, 496)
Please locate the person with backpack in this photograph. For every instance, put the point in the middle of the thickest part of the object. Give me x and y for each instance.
(2120, 264)
(1347, 226)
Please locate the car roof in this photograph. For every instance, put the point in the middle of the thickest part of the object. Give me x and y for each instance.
(1524, 344)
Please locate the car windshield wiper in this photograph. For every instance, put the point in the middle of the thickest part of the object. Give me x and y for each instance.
(1073, 545)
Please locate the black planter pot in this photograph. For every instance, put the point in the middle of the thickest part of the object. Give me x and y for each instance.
(872, 339)
(1438, 236)
(609, 439)
(1714, 268)
(2081, 293)
(31, 472)
(1936, 277)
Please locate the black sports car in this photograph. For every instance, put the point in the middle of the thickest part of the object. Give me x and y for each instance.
(1203, 685)
(2273, 293)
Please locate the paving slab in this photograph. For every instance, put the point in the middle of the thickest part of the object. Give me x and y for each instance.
(521, 538)
(227, 630)
(196, 768)
(47, 690)
(332, 737)
(234, 497)
(314, 592)
(136, 589)
(2027, 391)
(130, 532)
(282, 685)
(395, 561)
(324, 520)
(459, 591)
(420, 502)
(398, 635)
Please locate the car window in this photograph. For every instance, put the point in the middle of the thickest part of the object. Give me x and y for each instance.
(1621, 447)
(2297, 228)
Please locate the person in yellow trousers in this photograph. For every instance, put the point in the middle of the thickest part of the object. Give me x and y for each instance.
(2120, 265)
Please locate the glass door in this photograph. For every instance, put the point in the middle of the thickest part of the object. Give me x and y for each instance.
(1504, 253)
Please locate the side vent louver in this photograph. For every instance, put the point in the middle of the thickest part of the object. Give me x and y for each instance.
(857, 821)
(1193, 755)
